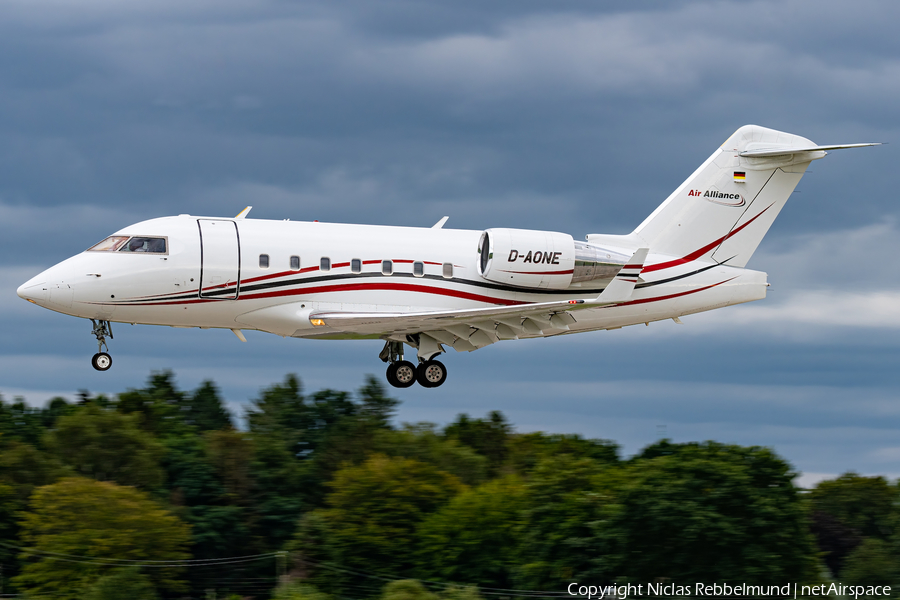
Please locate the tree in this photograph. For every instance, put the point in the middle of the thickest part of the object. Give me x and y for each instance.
(219, 526)
(835, 539)
(159, 405)
(526, 450)
(871, 563)
(25, 467)
(102, 522)
(122, 584)
(10, 504)
(280, 410)
(709, 512)
(557, 539)
(108, 446)
(204, 409)
(421, 442)
(473, 538)
(374, 510)
(298, 591)
(488, 436)
(20, 422)
(862, 503)
(407, 589)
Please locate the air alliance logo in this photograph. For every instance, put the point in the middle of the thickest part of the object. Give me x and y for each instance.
(717, 197)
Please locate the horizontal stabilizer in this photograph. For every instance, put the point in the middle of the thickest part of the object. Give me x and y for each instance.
(776, 151)
(622, 285)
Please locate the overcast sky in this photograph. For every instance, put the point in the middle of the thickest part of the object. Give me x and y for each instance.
(572, 116)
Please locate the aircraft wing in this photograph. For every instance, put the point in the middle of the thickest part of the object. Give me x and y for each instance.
(470, 329)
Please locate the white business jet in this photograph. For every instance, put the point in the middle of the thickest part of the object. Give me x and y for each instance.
(433, 288)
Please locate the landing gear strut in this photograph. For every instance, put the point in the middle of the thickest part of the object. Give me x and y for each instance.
(101, 361)
(402, 373)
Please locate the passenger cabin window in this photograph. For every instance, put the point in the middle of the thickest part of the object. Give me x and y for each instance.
(324, 264)
(356, 265)
(124, 243)
(387, 267)
(418, 269)
(295, 263)
(448, 270)
(263, 261)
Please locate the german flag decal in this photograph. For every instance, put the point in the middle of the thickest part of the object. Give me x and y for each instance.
(739, 177)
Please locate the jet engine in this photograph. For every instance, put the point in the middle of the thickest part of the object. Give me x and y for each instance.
(543, 259)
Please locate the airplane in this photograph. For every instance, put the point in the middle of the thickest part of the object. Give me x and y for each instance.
(431, 289)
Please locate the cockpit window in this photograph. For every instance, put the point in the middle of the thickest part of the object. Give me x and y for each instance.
(110, 244)
(155, 245)
(124, 243)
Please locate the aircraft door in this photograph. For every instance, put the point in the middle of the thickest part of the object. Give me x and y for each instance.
(220, 259)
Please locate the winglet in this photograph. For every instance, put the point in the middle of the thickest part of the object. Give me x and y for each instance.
(440, 223)
(243, 213)
(622, 285)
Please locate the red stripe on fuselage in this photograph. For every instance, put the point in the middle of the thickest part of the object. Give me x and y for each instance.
(698, 253)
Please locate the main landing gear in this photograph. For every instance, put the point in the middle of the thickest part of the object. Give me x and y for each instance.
(402, 373)
(101, 361)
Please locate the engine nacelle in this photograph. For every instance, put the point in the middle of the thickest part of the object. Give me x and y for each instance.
(525, 258)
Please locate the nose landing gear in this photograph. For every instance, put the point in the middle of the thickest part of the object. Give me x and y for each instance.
(402, 373)
(101, 361)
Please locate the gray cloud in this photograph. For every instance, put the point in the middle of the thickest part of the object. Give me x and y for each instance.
(564, 116)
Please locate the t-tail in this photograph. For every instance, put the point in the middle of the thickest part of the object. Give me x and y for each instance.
(722, 211)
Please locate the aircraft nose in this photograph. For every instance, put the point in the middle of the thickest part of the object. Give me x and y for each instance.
(33, 292)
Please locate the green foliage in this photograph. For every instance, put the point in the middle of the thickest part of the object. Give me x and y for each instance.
(10, 504)
(218, 527)
(158, 406)
(865, 504)
(364, 501)
(558, 539)
(473, 537)
(526, 450)
(204, 409)
(231, 455)
(280, 410)
(25, 467)
(460, 592)
(20, 422)
(871, 563)
(375, 509)
(102, 521)
(407, 589)
(709, 512)
(122, 584)
(421, 442)
(488, 437)
(107, 446)
(298, 591)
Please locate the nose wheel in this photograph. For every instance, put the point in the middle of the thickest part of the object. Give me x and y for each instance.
(101, 361)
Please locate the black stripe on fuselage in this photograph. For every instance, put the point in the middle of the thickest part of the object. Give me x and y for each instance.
(338, 277)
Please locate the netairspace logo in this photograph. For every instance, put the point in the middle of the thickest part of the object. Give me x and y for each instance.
(791, 590)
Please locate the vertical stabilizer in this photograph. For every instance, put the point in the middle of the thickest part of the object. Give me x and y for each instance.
(723, 210)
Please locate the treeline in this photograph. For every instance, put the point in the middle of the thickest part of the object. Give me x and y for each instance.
(156, 494)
